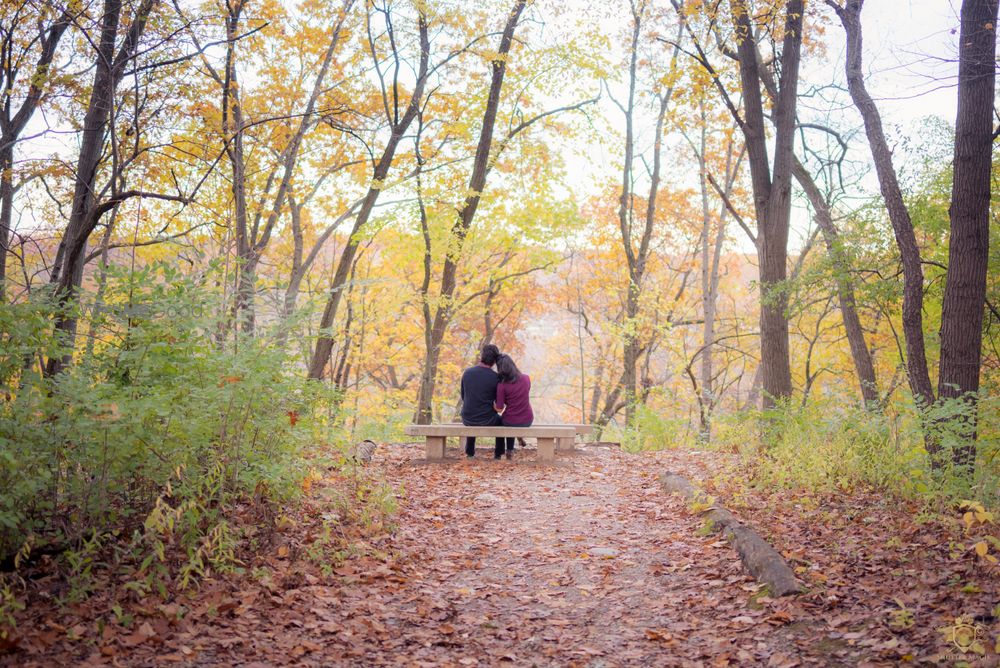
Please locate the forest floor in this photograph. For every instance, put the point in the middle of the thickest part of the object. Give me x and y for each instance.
(583, 563)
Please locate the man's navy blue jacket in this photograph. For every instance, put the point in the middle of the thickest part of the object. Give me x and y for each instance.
(479, 391)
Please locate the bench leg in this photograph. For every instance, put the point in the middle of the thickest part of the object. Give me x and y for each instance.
(565, 443)
(435, 447)
(546, 449)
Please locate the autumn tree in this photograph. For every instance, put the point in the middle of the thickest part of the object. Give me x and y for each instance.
(437, 320)
(725, 160)
(399, 115)
(257, 214)
(30, 32)
(770, 178)
(117, 42)
(635, 238)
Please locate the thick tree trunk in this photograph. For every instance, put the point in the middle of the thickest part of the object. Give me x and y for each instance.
(968, 251)
(67, 273)
(913, 275)
(771, 188)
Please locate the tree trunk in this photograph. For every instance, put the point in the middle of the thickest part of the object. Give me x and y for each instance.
(102, 283)
(711, 258)
(12, 125)
(298, 271)
(968, 251)
(232, 126)
(771, 188)
(67, 273)
(913, 275)
(6, 207)
(863, 365)
(324, 343)
(637, 258)
(629, 344)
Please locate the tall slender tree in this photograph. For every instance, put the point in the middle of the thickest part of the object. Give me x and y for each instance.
(481, 165)
(899, 215)
(26, 28)
(399, 118)
(637, 251)
(110, 62)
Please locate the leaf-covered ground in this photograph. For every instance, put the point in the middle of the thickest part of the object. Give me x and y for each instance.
(583, 563)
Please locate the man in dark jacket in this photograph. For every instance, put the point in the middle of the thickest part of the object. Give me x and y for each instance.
(479, 392)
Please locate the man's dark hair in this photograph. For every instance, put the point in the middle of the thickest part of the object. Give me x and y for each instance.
(507, 370)
(489, 354)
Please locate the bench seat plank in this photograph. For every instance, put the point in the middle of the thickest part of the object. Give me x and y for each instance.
(462, 430)
(582, 429)
(437, 434)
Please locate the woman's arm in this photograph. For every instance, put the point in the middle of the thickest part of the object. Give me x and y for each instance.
(500, 404)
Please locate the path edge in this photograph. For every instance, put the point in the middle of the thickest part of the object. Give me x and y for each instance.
(758, 557)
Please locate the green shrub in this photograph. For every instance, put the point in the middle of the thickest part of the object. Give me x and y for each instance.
(827, 445)
(650, 430)
(158, 418)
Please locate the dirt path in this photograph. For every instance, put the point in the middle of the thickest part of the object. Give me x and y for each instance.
(583, 563)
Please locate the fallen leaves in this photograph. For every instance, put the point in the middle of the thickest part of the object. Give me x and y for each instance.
(580, 563)
(142, 634)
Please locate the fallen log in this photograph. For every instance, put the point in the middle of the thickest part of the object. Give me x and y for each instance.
(759, 558)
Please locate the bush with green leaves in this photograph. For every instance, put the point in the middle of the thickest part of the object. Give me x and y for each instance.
(652, 430)
(828, 445)
(158, 413)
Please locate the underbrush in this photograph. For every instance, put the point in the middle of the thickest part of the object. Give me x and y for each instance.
(828, 446)
(161, 454)
(357, 511)
(651, 430)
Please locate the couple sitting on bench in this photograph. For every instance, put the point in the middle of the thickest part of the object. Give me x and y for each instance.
(493, 398)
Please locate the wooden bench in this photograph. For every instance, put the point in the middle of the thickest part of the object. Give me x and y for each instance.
(547, 435)
(562, 443)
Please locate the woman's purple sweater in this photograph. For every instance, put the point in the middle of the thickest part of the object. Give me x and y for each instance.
(515, 397)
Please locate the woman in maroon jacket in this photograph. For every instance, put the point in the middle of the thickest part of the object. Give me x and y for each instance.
(512, 402)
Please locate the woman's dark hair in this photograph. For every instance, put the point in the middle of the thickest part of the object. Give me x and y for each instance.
(489, 354)
(507, 370)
